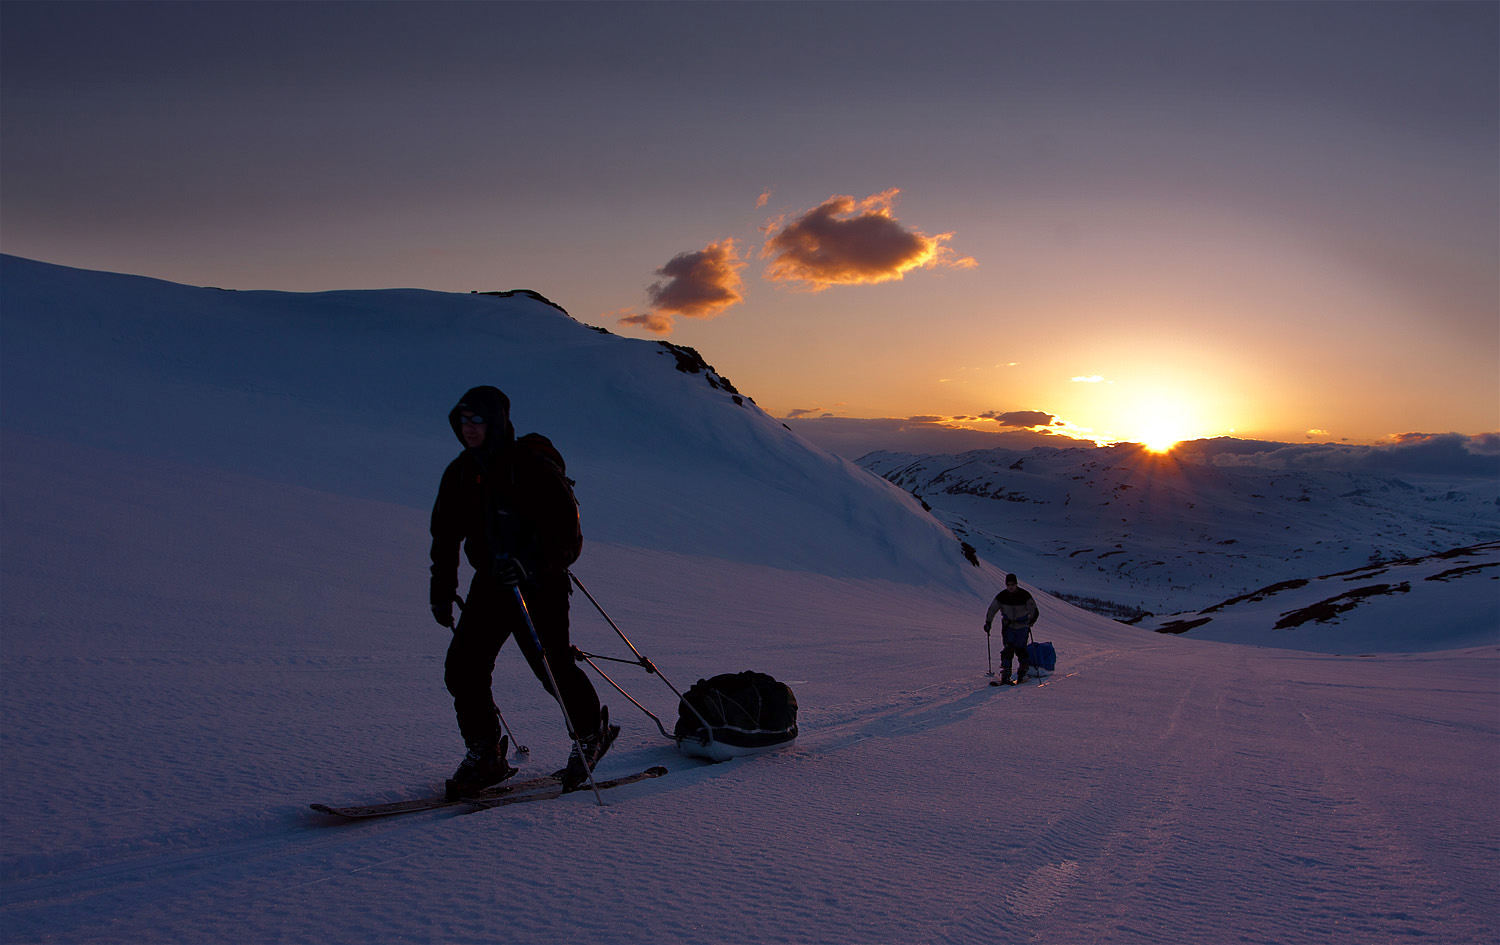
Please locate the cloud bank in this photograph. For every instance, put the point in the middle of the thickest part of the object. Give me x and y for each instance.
(844, 241)
(1408, 454)
(852, 437)
(1411, 454)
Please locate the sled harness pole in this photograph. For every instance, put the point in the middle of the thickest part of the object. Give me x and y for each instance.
(589, 658)
(520, 748)
(641, 661)
(556, 691)
(645, 663)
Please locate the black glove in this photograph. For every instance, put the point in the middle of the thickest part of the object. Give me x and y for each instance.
(986, 628)
(509, 572)
(440, 594)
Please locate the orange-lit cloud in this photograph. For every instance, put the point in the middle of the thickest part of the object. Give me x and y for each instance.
(660, 324)
(698, 284)
(844, 241)
(763, 199)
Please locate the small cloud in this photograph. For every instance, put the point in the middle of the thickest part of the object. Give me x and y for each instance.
(1318, 434)
(1021, 418)
(844, 241)
(797, 413)
(660, 324)
(763, 199)
(1091, 379)
(698, 284)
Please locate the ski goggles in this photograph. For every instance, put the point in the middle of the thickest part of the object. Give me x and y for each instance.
(474, 420)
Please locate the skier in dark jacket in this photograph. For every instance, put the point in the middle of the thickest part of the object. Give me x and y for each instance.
(1018, 611)
(512, 511)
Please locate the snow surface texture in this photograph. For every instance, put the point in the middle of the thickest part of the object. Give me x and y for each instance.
(1180, 532)
(214, 607)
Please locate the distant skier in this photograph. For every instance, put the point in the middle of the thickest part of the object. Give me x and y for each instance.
(1018, 611)
(513, 511)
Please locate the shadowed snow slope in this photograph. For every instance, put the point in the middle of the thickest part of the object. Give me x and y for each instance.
(213, 593)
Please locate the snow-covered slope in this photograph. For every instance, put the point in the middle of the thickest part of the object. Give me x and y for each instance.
(349, 392)
(213, 598)
(1174, 533)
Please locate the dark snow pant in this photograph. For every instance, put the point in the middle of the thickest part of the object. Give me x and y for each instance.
(1018, 650)
(490, 616)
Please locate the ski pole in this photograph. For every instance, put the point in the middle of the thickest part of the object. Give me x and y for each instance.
(556, 691)
(511, 736)
(520, 749)
(989, 657)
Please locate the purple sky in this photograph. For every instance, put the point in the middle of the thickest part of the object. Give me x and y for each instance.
(1140, 220)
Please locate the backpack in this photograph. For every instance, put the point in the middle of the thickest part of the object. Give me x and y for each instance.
(745, 713)
(540, 446)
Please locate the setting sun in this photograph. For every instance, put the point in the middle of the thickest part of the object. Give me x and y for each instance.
(1161, 441)
(1161, 434)
(1160, 423)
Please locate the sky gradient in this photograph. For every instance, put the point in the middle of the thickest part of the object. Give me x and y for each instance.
(1115, 221)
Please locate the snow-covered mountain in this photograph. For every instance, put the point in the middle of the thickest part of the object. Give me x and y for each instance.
(213, 611)
(1123, 530)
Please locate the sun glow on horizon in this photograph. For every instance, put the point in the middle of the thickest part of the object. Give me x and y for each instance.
(1161, 442)
(1160, 423)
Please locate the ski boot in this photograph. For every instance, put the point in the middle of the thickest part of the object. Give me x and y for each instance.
(484, 766)
(594, 745)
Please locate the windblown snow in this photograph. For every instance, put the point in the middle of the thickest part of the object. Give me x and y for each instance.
(214, 508)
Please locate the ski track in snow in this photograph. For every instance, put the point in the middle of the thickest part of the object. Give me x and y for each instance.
(1183, 824)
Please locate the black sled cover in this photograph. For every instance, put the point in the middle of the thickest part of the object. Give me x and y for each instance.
(745, 713)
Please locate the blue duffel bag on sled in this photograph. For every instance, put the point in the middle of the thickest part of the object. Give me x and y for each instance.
(1041, 656)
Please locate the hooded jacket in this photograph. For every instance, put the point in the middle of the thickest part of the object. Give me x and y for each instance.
(499, 499)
